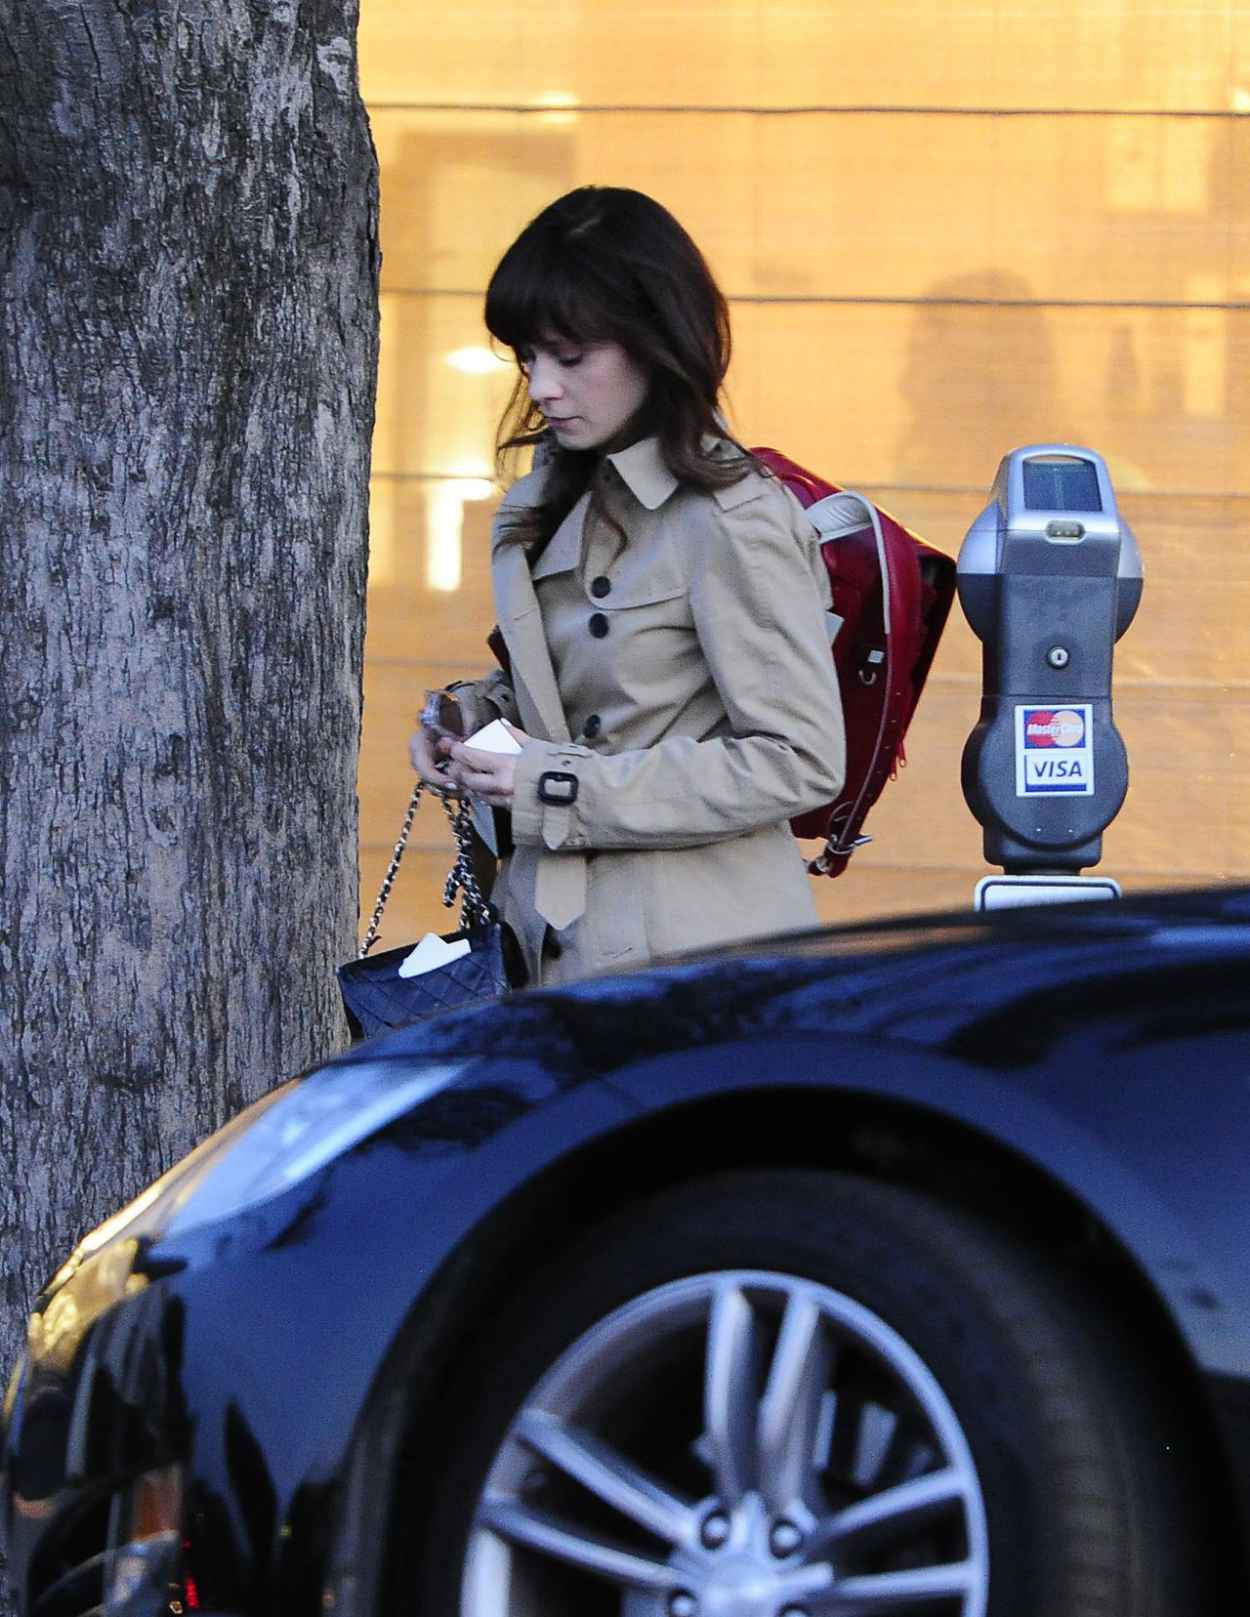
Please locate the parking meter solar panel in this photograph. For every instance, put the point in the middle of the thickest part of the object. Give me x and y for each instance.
(1055, 483)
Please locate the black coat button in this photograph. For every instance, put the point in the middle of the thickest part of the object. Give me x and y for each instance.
(601, 586)
(592, 726)
(598, 625)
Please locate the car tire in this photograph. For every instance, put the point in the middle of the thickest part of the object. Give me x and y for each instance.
(787, 1392)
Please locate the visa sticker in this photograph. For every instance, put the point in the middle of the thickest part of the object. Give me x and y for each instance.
(1055, 751)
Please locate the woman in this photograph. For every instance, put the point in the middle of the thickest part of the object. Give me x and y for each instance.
(668, 670)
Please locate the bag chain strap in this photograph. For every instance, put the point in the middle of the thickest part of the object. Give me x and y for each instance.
(475, 909)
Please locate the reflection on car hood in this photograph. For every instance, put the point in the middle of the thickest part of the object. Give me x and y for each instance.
(934, 981)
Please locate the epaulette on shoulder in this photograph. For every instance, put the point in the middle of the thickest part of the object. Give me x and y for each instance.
(749, 487)
(527, 490)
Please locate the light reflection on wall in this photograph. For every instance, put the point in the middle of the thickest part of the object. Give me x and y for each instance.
(476, 361)
(561, 102)
(444, 528)
(445, 498)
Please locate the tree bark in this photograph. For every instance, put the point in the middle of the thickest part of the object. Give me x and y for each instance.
(188, 335)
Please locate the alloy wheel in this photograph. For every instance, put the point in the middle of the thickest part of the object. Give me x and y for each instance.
(733, 1444)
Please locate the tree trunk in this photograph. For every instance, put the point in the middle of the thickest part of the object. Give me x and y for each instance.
(188, 335)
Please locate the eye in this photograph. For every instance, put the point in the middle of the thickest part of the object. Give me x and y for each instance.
(571, 357)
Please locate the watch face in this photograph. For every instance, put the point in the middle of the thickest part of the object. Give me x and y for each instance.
(441, 714)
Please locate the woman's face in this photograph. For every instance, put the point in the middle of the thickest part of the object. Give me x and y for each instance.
(588, 392)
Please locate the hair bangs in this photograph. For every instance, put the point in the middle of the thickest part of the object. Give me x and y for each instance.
(538, 294)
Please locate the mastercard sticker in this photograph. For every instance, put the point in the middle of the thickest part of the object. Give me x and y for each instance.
(1055, 751)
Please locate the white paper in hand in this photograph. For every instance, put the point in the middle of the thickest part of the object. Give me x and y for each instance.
(492, 737)
(431, 952)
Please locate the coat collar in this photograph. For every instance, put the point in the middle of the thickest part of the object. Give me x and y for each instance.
(644, 473)
(564, 550)
(521, 624)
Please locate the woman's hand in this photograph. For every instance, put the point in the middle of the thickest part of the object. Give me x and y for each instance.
(490, 776)
(429, 755)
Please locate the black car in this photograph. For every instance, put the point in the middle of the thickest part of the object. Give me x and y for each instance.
(899, 1269)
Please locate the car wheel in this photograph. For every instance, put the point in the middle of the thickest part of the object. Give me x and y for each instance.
(792, 1394)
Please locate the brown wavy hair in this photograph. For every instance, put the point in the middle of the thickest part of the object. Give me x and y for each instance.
(605, 264)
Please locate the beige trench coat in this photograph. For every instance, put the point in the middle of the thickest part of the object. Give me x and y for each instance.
(681, 692)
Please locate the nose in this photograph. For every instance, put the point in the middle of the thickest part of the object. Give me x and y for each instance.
(544, 380)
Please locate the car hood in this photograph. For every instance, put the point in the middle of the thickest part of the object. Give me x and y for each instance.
(999, 989)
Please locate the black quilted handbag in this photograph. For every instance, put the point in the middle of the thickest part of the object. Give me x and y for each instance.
(375, 996)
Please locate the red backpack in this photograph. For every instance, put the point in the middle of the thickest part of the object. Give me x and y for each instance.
(891, 596)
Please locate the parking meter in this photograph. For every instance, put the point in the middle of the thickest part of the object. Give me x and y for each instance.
(1049, 577)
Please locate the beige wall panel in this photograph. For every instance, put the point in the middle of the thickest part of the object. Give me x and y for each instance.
(415, 905)
(1078, 53)
(1174, 733)
(698, 53)
(1183, 816)
(921, 818)
(704, 168)
(958, 660)
(866, 892)
(934, 395)
(495, 52)
(409, 616)
(862, 893)
(875, 885)
(1179, 537)
(466, 51)
(1194, 835)
(1191, 634)
(925, 395)
(926, 793)
(891, 394)
(433, 417)
(1029, 208)
(1239, 77)
(882, 206)
(1236, 220)
(458, 185)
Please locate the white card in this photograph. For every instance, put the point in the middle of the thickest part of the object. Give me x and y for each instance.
(430, 953)
(493, 737)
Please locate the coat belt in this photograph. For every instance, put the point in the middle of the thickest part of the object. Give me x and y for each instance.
(560, 887)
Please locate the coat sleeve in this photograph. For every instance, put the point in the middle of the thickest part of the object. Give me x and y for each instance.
(757, 602)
